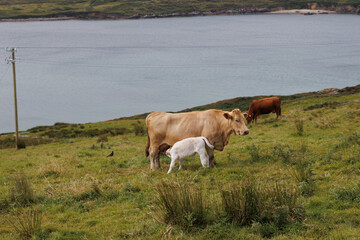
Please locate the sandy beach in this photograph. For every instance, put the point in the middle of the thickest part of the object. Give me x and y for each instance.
(302, 11)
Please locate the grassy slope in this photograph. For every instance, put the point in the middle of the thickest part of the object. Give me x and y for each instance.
(64, 173)
(126, 8)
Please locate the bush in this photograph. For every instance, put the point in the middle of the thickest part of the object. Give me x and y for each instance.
(181, 204)
(102, 138)
(249, 202)
(139, 128)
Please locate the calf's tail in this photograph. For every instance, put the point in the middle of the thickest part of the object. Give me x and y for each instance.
(207, 142)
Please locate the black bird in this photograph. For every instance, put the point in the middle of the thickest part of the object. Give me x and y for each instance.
(111, 154)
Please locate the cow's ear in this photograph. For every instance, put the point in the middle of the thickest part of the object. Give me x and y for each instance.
(227, 116)
(245, 115)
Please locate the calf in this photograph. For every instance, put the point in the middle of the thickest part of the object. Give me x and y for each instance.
(189, 147)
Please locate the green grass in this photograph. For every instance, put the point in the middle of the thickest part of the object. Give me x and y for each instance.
(82, 194)
(127, 8)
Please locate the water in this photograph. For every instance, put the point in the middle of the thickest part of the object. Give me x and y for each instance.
(88, 71)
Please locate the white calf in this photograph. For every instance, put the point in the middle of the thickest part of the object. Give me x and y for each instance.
(189, 147)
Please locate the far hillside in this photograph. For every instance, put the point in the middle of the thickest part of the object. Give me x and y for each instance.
(115, 9)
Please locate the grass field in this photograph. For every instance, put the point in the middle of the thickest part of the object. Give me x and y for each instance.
(305, 167)
(128, 8)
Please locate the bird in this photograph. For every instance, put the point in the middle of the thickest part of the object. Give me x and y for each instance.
(111, 154)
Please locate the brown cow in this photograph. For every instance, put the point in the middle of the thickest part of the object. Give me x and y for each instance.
(263, 106)
(165, 129)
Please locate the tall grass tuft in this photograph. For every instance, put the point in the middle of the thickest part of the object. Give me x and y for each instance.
(350, 193)
(302, 171)
(351, 138)
(254, 152)
(299, 124)
(27, 222)
(302, 174)
(249, 202)
(181, 204)
(22, 193)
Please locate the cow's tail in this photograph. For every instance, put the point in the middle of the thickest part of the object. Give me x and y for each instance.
(147, 144)
(207, 142)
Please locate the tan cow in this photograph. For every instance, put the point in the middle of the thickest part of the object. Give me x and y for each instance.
(165, 129)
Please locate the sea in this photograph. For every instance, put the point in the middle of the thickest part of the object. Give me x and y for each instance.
(79, 71)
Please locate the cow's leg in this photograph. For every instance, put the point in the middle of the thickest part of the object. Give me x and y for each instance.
(280, 112)
(157, 160)
(154, 153)
(255, 117)
(212, 162)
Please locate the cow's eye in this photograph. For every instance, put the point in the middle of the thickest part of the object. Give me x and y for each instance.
(237, 120)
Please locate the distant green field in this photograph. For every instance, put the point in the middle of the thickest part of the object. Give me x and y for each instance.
(69, 189)
(127, 8)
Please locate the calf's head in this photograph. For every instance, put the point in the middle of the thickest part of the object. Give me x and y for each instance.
(237, 122)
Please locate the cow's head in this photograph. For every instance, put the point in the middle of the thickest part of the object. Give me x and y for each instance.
(237, 122)
(249, 118)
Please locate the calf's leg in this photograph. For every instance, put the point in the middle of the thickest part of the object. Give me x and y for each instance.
(204, 158)
(172, 164)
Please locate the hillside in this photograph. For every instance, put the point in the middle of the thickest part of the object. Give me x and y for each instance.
(122, 9)
(294, 178)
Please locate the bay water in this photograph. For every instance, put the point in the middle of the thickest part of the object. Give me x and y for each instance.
(87, 71)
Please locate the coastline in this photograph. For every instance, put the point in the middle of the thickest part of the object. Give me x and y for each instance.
(240, 11)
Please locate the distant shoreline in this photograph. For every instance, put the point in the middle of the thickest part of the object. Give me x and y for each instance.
(113, 16)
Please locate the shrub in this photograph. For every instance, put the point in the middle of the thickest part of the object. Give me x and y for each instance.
(21, 193)
(102, 138)
(27, 222)
(139, 128)
(249, 202)
(181, 204)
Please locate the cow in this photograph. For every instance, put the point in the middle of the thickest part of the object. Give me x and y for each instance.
(165, 129)
(263, 106)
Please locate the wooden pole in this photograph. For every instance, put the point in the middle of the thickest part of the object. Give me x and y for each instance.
(15, 99)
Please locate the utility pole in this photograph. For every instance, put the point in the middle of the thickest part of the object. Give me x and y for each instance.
(12, 60)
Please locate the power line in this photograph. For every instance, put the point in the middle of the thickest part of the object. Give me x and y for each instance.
(5, 72)
(190, 47)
